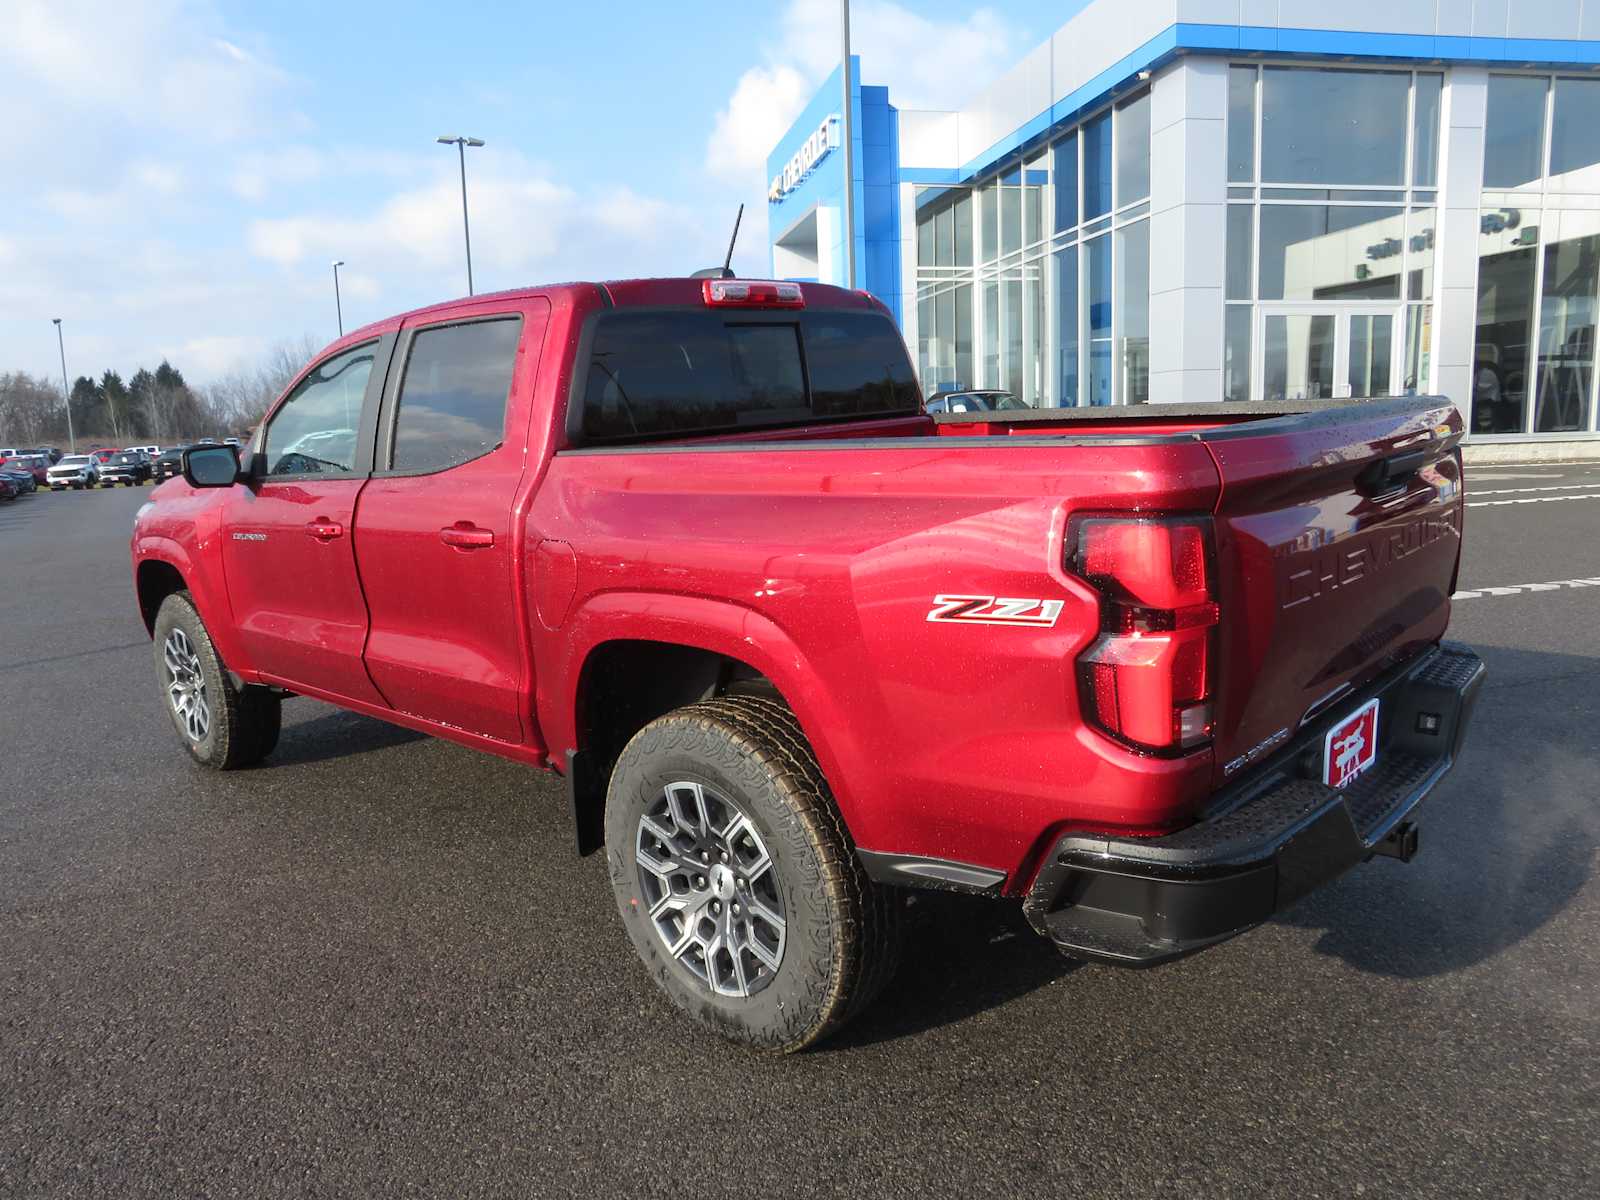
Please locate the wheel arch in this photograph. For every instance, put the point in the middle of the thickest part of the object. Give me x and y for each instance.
(620, 681)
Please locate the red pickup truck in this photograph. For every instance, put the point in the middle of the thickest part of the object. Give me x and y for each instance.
(795, 644)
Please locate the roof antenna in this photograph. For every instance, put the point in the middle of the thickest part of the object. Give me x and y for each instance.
(725, 271)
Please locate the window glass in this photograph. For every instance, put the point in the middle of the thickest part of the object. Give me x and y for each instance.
(695, 372)
(1098, 317)
(1241, 247)
(314, 432)
(1319, 252)
(991, 222)
(1011, 314)
(963, 222)
(1370, 355)
(1035, 182)
(1033, 381)
(1236, 352)
(1514, 136)
(926, 252)
(1133, 151)
(453, 398)
(1425, 124)
(1133, 311)
(1066, 281)
(1298, 356)
(1501, 345)
(945, 236)
(1419, 341)
(991, 335)
(1066, 169)
(1575, 138)
(1566, 325)
(1097, 168)
(1011, 211)
(1420, 228)
(1241, 124)
(1325, 126)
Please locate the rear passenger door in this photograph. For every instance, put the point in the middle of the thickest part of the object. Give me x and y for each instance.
(433, 540)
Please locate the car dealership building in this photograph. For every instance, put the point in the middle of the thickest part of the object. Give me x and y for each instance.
(1227, 199)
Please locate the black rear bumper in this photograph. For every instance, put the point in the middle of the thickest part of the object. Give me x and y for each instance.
(1268, 841)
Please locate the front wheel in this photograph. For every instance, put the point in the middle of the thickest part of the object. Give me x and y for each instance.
(223, 726)
(737, 881)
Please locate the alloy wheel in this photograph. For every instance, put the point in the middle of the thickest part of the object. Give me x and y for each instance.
(711, 889)
(186, 685)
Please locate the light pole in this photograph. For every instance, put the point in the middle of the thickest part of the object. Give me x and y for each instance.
(66, 390)
(338, 307)
(849, 154)
(461, 144)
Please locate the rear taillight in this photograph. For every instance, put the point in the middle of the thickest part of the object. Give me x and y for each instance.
(752, 293)
(1147, 679)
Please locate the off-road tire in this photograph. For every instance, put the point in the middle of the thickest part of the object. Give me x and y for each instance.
(244, 722)
(842, 937)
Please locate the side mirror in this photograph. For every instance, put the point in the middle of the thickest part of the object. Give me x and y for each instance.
(211, 466)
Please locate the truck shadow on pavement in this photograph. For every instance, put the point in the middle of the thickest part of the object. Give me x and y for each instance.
(335, 735)
(1507, 841)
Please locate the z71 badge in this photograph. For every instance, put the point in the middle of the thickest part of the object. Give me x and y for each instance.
(995, 610)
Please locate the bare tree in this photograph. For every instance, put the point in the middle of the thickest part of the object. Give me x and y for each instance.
(241, 398)
(28, 408)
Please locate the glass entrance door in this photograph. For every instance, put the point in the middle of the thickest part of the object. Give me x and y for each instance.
(1312, 352)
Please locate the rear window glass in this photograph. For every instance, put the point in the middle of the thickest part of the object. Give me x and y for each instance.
(453, 398)
(655, 374)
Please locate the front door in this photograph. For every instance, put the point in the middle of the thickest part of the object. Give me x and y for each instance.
(434, 536)
(287, 545)
(1315, 352)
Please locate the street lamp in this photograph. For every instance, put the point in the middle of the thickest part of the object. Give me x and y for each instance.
(66, 390)
(338, 307)
(461, 144)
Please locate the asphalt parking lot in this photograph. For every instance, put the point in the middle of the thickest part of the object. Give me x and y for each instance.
(374, 967)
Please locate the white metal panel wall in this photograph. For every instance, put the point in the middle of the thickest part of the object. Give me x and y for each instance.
(1455, 294)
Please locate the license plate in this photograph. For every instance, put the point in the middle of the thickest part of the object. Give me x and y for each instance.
(1351, 746)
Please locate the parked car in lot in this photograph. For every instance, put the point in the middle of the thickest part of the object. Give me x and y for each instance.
(75, 471)
(21, 477)
(169, 463)
(8, 488)
(35, 464)
(696, 546)
(130, 467)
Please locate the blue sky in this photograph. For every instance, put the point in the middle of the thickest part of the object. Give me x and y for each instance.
(180, 173)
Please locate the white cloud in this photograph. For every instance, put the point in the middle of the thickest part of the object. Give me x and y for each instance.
(925, 62)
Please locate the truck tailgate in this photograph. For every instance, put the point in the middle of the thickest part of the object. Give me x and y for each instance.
(1338, 538)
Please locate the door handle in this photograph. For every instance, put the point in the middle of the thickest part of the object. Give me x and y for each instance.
(324, 530)
(465, 536)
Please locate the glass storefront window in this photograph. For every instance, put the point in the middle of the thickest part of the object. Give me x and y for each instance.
(1421, 224)
(1097, 168)
(1133, 151)
(1332, 126)
(1065, 155)
(1567, 324)
(1575, 137)
(1098, 254)
(991, 335)
(963, 230)
(1298, 356)
(1241, 124)
(1066, 284)
(1035, 183)
(1236, 352)
(1133, 313)
(1011, 318)
(990, 211)
(1033, 378)
(1011, 211)
(1419, 341)
(1370, 354)
(1241, 248)
(1323, 252)
(1501, 347)
(1514, 137)
(1425, 130)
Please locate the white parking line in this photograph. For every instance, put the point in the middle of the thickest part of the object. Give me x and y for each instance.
(1518, 589)
(1557, 487)
(1534, 500)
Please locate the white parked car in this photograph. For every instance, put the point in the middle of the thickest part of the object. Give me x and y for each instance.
(75, 471)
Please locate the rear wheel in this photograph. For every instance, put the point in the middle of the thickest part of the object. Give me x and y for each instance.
(737, 880)
(222, 726)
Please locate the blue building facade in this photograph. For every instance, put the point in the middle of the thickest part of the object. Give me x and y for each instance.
(1182, 200)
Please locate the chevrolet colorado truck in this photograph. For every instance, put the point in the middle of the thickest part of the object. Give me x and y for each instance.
(796, 645)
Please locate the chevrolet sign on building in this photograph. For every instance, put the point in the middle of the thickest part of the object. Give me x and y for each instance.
(814, 149)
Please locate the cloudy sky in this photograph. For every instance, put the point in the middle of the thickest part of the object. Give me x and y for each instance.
(178, 175)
